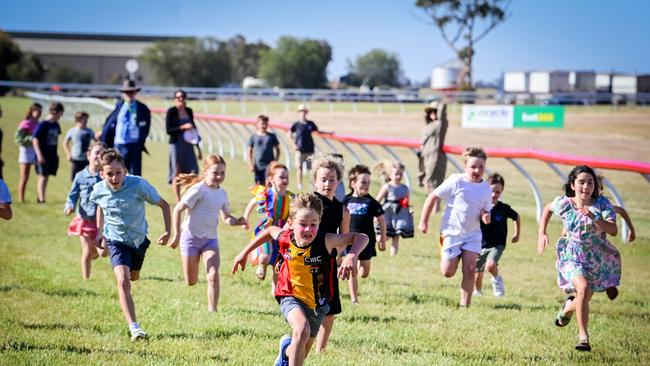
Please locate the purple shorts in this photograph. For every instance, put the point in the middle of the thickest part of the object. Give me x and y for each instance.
(192, 246)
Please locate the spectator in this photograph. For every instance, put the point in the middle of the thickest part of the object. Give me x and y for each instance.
(183, 136)
(263, 148)
(127, 128)
(76, 143)
(303, 142)
(433, 161)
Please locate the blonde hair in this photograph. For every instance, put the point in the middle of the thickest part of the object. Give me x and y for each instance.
(188, 180)
(305, 201)
(386, 167)
(474, 152)
(327, 161)
(270, 171)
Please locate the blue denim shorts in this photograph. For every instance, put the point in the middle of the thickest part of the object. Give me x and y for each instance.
(127, 255)
(315, 317)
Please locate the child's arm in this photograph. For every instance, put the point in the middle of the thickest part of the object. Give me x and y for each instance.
(99, 217)
(271, 232)
(198, 151)
(382, 232)
(515, 235)
(276, 149)
(232, 220)
(251, 166)
(345, 223)
(628, 221)
(176, 223)
(383, 191)
(66, 149)
(247, 212)
(164, 206)
(73, 197)
(426, 212)
(340, 242)
(37, 149)
(485, 217)
(291, 140)
(607, 226)
(542, 238)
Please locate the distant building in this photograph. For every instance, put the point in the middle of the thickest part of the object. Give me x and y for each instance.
(103, 55)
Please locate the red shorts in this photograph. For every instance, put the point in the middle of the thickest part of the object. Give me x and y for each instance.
(79, 226)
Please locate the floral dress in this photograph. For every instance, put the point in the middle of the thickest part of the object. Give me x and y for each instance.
(584, 250)
(275, 212)
(397, 213)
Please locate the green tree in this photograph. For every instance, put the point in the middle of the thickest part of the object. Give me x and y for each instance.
(376, 68)
(244, 57)
(9, 54)
(189, 62)
(296, 63)
(67, 74)
(462, 23)
(29, 68)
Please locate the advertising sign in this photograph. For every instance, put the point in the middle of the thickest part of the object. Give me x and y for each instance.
(487, 116)
(539, 117)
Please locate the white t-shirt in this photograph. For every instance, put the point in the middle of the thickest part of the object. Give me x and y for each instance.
(465, 200)
(204, 205)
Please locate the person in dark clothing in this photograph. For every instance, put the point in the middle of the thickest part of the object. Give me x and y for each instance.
(183, 136)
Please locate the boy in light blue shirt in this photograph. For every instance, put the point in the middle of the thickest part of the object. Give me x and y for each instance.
(122, 226)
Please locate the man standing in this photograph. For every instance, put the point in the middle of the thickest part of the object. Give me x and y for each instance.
(127, 128)
(303, 143)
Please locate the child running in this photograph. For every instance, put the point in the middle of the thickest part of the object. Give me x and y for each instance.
(272, 201)
(494, 239)
(399, 219)
(122, 227)
(76, 143)
(363, 210)
(326, 173)
(26, 153)
(304, 279)
(204, 200)
(469, 201)
(586, 261)
(84, 225)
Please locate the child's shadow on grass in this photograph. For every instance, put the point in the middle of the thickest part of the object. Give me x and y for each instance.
(77, 292)
(216, 334)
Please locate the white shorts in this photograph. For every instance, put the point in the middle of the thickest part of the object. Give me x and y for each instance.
(453, 246)
(26, 155)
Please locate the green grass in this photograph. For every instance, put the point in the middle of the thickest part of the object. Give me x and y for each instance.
(407, 315)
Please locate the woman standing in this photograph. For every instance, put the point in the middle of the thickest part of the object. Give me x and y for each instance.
(182, 138)
(433, 159)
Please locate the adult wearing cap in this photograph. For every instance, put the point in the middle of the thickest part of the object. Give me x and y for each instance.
(433, 158)
(303, 143)
(127, 127)
(183, 136)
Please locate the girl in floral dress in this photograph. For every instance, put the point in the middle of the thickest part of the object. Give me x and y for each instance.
(272, 201)
(586, 260)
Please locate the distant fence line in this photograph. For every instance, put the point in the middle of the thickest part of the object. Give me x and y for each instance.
(331, 95)
(228, 135)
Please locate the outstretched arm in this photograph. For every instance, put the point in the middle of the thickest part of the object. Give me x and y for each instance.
(232, 220)
(426, 211)
(383, 192)
(542, 238)
(515, 235)
(340, 242)
(164, 206)
(382, 232)
(176, 223)
(247, 211)
(266, 235)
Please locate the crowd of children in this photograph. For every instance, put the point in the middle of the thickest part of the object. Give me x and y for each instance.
(311, 240)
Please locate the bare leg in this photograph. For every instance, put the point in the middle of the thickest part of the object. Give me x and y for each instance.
(88, 254)
(394, 246)
(123, 275)
(493, 268)
(22, 181)
(324, 333)
(467, 284)
(478, 281)
(212, 261)
(191, 269)
(296, 352)
(41, 186)
(448, 267)
(581, 305)
(176, 189)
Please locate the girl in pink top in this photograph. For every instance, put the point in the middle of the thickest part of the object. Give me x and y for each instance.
(26, 153)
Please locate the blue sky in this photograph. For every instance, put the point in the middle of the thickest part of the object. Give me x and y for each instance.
(550, 34)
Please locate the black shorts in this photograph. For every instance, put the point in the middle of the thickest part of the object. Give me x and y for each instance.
(76, 166)
(335, 302)
(50, 167)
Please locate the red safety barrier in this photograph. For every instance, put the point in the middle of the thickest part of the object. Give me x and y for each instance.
(547, 156)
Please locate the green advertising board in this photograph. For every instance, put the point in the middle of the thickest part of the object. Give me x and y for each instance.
(538, 116)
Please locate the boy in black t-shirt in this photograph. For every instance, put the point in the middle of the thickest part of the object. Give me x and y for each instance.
(46, 141)
(494, 238)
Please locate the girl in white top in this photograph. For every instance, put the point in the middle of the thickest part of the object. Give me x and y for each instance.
(204, 199)
(469, 199)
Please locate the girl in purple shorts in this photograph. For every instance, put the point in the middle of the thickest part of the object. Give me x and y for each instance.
(203, 199)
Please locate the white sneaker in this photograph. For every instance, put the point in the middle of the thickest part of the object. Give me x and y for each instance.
(138, 334)
(498, 287)
(478, 293)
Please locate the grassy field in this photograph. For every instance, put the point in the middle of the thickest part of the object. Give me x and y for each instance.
(407, 316)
